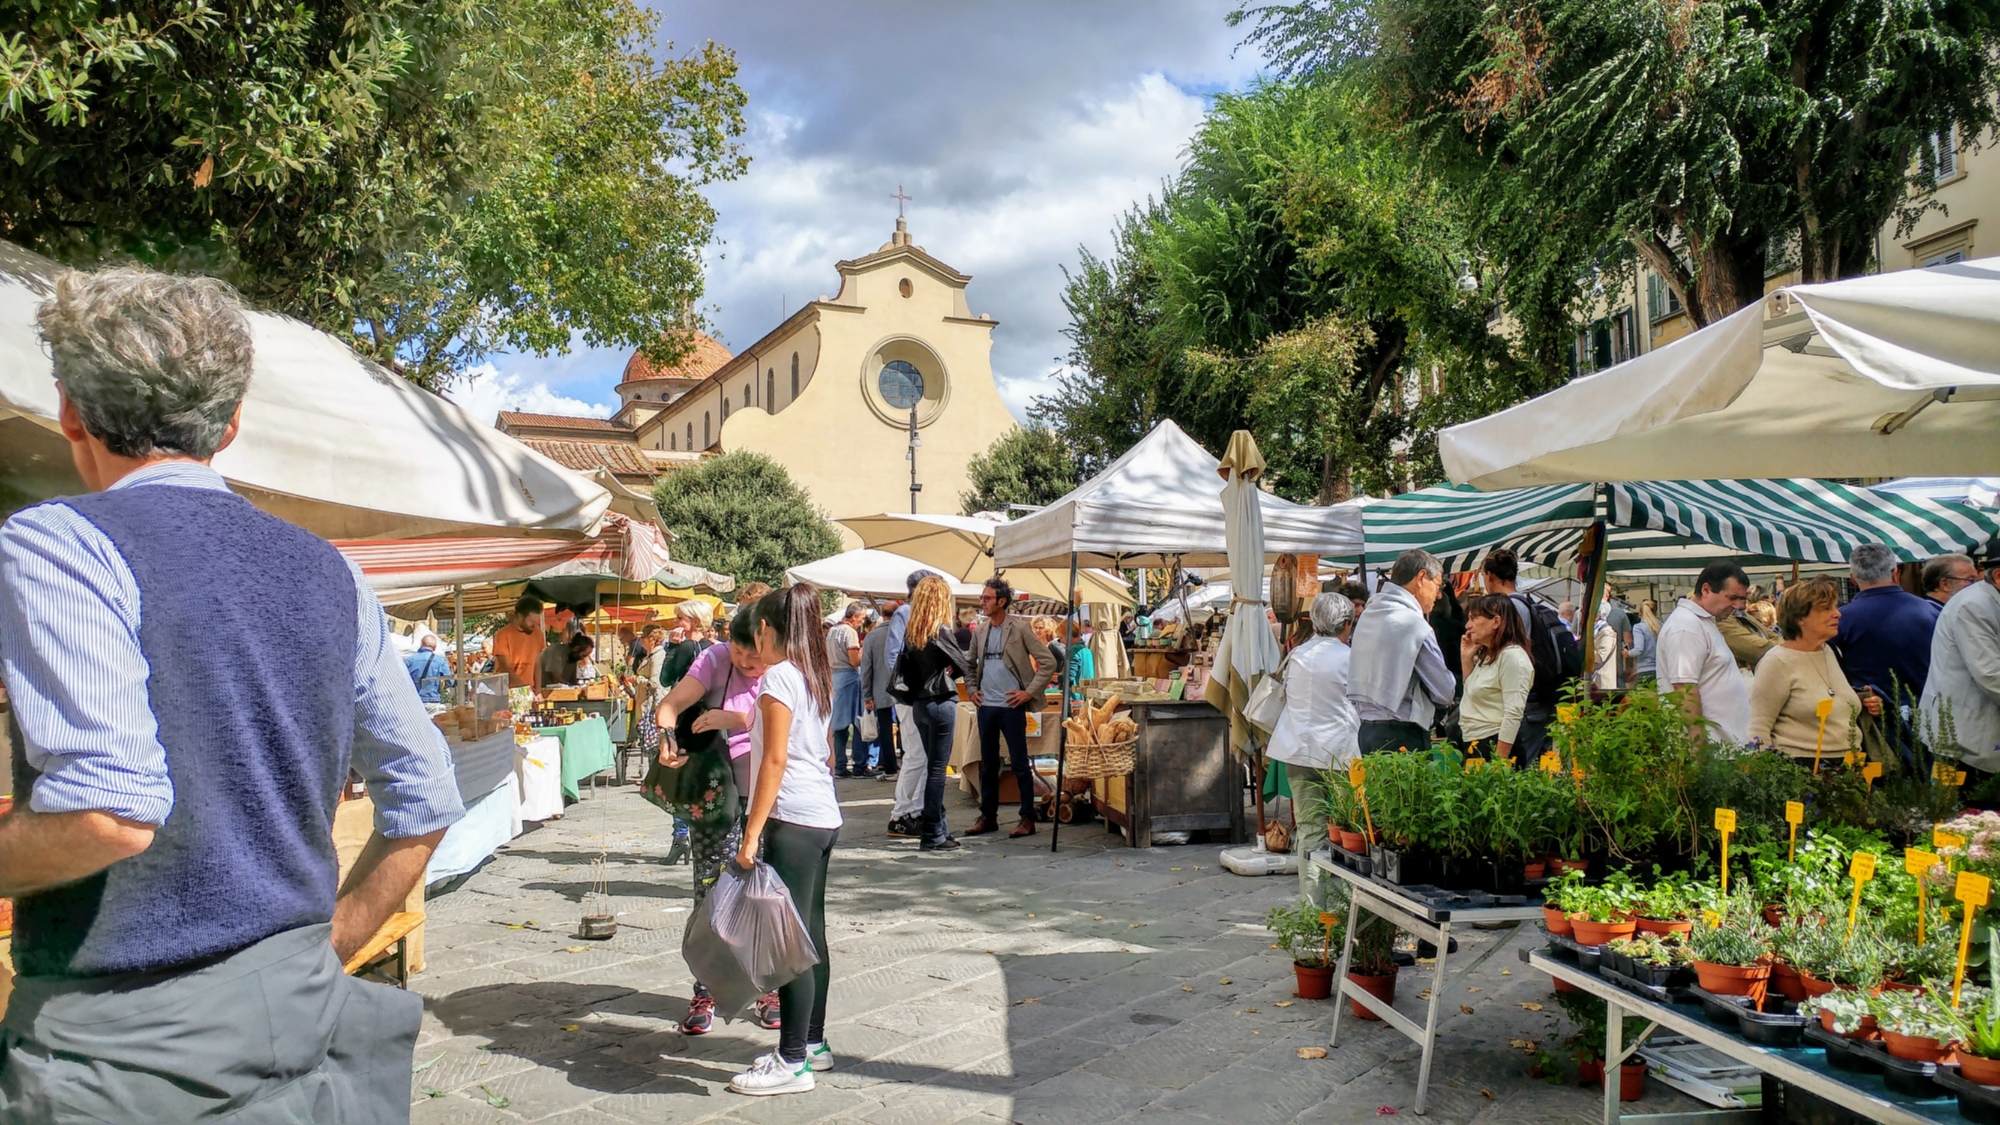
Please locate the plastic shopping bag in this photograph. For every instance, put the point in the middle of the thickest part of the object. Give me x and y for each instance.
(868, 726)
(747, 938)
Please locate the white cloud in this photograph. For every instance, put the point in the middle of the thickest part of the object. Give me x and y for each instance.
(490, 390)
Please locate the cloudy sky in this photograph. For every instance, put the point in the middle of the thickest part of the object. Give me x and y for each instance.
(1022, 129)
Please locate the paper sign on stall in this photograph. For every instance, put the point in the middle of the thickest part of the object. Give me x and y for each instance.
(1919, 863)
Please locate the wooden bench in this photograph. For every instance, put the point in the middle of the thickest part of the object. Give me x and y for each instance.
(389, 945)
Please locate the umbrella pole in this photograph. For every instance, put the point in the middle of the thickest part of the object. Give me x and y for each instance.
(458, 635)
(1062, 731)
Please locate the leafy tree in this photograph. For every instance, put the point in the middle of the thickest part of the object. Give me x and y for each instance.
(1722, 141)
(1303, 280)
(742, 514)
(432, 181)
(1028, 465)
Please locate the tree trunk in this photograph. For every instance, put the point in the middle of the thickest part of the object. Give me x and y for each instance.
(1336, 480)
(1661, 259)
(1728, 276)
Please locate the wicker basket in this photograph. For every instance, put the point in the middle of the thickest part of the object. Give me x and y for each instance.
(1111, 759)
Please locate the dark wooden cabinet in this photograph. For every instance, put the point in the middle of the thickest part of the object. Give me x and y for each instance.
(1183, 777)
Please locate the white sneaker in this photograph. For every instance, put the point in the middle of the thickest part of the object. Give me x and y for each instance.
(819, 1056)
(771, 1074)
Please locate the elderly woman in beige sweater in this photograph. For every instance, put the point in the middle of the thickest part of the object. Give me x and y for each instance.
(1799, 673)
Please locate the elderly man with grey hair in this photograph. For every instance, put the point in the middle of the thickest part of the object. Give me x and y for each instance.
(1400, 679)
(1945, 575)
(1318, 729)
(1884, 637)
(192, 680)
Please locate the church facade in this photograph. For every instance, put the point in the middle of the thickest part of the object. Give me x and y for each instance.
(812, 393)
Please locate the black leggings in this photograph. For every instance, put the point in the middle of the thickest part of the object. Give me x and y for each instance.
(800, 855)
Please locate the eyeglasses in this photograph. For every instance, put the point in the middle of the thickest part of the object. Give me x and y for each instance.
(1955, 580)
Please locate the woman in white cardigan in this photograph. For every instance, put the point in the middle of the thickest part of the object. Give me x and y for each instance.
(1318, 728)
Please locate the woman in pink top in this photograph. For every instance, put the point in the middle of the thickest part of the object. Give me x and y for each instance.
(725, 678)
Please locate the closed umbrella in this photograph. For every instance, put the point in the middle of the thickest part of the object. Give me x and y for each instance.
(1248, 651)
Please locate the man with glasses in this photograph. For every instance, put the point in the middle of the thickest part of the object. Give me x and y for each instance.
(1945, 575)
(1695, 660)
(1399, 677)
(1010, 669)
(1965, 671)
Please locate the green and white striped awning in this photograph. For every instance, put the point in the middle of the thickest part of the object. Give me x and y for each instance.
(1672, 525)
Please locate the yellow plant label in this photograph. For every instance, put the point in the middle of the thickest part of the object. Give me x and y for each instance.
(1852, 758)
(1725, 820)
(1942, 840)
(1861, 867)
(1871, 773)
(1795, 813)
(1919, 863)
(1823, 708)
(1355, 772)
(1972, 889)
(1474, 765)
(1943, 774)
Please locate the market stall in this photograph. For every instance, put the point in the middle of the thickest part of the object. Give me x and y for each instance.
(1161, 505)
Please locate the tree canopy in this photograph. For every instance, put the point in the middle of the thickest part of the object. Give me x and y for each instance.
(432, 181)
(1028, 465)
(742, 514)
(1723, 141)
(1303, 279)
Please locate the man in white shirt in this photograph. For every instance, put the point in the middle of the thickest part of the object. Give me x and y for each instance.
(1965, 669)
(1695, 660)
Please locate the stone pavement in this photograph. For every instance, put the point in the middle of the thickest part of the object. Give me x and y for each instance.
(999, 983)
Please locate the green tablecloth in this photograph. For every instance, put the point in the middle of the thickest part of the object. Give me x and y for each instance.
(586, 750)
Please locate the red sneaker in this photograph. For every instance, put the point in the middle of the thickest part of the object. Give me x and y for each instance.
(766, 1012)
(701, 1015)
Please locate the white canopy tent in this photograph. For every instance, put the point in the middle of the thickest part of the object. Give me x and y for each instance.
(1159, 505)
(962, 547)
(329, 441)
(1892, 375)
(882, 574)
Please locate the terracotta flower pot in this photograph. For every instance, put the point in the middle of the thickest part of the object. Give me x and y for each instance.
(1665, 926)
(1353, 841)
(1915, 1048)
(1557, 921)
(1732, 980)
(1558, 866)
(1534, 870)
(1315, 982)
(1591, 1073)
(1562, 985)
(1597, 933)
(1984, 1071)
(1631, 1081)
(1813, 985)
(1866, 1029)
(1899, 986)
(1382, 986)
(1774, 915)
(1786, 980)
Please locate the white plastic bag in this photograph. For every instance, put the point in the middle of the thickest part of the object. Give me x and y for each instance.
(746, 938)
(869, 729)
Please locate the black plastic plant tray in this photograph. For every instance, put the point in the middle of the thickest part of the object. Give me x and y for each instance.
(1615, 961)
(1722, 1011)
(1975, 1102)
(1843, 1053)
(1665, 994)
(1771, 1029)
(1916, 1079)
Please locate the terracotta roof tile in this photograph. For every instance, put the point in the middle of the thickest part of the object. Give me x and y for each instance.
(622, 458)
(560, 421)
(700, 362)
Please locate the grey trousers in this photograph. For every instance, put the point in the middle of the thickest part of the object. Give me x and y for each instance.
(274, 1034)
(1308, 806)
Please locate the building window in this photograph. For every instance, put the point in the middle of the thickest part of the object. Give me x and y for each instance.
(706, 440)
(725, 408)
(795, 374)
(1940, 155)
(674, 442)
(770, 390)
(746, 394)
(1661, 300)
(690, 440)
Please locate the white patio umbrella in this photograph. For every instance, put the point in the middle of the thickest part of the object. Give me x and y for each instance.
(962, 547)
(1248, 651)
(1886, 376)
(883, 574)
(329, 441)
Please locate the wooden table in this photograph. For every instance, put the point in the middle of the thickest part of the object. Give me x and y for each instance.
(1158, 663)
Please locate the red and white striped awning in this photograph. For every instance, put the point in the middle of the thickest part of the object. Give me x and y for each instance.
(623, 548)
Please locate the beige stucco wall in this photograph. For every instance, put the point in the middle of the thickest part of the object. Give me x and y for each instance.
(1971, 220)
(846, 447)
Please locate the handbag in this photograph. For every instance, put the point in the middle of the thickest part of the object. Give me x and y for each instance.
(702, 787)
(1267, 699)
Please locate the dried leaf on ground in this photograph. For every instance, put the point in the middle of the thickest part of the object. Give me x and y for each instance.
(423, 1066)
(1224, 980)
(1185, 988)
(1285, 1003)
(571, 1026)
(1527, 1045)
(1475, 990)
(1466, 1010)
(1251, 1011)
(497, 1101)
(1312, 1052)
(1531, 1006)
(1486, 1093)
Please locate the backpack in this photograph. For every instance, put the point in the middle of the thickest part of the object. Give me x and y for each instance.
(1557, 654)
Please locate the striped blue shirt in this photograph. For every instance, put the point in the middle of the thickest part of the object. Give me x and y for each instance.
(69, 649)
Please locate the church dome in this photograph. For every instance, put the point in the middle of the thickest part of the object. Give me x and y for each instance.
(701, 361)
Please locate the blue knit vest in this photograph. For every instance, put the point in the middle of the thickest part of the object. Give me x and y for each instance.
(247, 624)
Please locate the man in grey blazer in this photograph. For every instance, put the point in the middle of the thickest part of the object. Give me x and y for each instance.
(1010, 668)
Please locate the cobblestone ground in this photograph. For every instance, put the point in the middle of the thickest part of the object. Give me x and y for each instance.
(999, 983)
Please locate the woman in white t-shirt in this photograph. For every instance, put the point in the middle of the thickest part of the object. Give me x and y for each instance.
(795, 816)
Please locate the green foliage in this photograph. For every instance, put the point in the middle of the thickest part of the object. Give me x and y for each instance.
(1670, 898)
(1305, 934)
(1719, 141)
(1608, 901)
(1848, 1007)
(1638, 769)
(742, 514)
(430, 181)
(1978, 1023)
(1925, 1015)
(1027, 465)
(1300, 279)
(1737, 943)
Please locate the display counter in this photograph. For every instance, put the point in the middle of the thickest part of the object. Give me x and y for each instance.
(1157, 662)
(965, 752)
(1183, 777)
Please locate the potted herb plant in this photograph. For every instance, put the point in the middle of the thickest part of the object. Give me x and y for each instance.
(1731, 959)
(1844, 1013)
(1374, 963)
(1666, 907)
(1556, 902)
(1916, 1026)
(1977, 1026)
(1308, 934)
(1598, 914)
